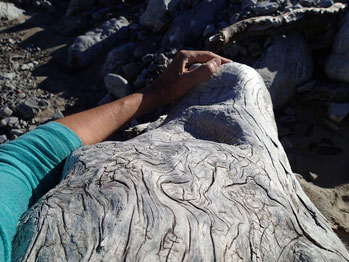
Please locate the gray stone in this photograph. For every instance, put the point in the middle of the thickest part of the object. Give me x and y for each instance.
(79, 5)
(4, 122)
(140, 81)
(13, 122)
(189, 25)
(28, 109)
(265, 8)
(286, 64)
(130, 70)
(8, 76)
(117, 85)
(87, 48)
(17, 132)
(161, 59)
(337, 65)
(5, 112)
(337, 112)
(157, 15)
(148, 58)
(117, 57)
(3, 139)
(9, 11)
(209, 30)
(57, 114)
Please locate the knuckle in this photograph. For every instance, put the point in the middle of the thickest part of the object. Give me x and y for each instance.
(210, 68)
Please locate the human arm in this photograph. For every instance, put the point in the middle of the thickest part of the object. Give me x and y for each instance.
(97, 124)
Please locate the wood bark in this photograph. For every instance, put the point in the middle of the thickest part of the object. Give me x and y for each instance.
(212, 183)
(300, 19)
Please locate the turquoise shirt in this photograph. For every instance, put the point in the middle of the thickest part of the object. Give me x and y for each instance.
(29, 167)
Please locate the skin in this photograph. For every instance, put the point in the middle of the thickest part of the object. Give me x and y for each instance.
(97, 124)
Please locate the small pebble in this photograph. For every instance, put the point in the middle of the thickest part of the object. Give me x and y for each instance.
(3, 139)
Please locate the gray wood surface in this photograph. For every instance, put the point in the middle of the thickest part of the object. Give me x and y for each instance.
(212, 183)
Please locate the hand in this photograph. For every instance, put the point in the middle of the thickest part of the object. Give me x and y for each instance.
(178, 79)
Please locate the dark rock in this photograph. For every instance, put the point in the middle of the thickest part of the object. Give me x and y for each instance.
(72, 25)
(117, 57)
(148, 58)
(140, 82)
(28, 109)
(265, 8)
(325, 3)
(209, 30)
(286, 64)
(90, 46)
(130, 70)
(337, 65)
(337, 112)
(157, 15)
(189, 25)
(79, 5)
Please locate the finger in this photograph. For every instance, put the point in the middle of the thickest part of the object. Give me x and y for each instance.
(203, 72)
(204, 56)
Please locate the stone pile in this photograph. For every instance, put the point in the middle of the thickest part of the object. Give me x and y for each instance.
(135, 41)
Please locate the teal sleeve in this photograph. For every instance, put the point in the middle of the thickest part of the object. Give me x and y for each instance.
(29, 167)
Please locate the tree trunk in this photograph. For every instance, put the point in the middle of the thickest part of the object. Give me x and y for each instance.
(212, 183)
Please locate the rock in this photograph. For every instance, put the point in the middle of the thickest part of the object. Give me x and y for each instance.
(286, 64)
(87, 48)
(209, 30)
(139, 51)
(28, 66)
(265, 8)
(57, 114)
(117, 85)
(140, 81)
(189, 25)
(5, 112)
(79, 5)
(117, 57)
(148, 58)
(72, 25)
(28, 109)
(337, 112)
(13, 122)
(9, 11)
(8, 76)
(4, 122)
(106, 99)
(158, 14)
(161, 59)
(337, 65)
(3, 139)
(130, 70)
(326, 3)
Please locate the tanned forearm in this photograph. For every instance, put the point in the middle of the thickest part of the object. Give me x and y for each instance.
(97, 124)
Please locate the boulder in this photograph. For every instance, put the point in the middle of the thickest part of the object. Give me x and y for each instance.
(337, 65)
(117, 57)
(189, 26)
(157, 14)
(286, 64)
(211, 183)
(79, 5)
(117, 85)
(9, 11)
(87, 48)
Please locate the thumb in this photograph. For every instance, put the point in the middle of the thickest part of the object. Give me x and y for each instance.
(204, 72)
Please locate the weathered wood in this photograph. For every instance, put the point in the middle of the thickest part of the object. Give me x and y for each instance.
(211, 183)
(301, 19)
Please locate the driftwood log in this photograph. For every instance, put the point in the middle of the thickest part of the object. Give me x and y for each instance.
(297, 19)
(212, 183)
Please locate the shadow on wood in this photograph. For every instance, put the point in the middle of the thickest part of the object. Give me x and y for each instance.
(211, 183)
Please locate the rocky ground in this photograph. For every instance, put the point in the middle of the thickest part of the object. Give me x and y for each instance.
(61, 57)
